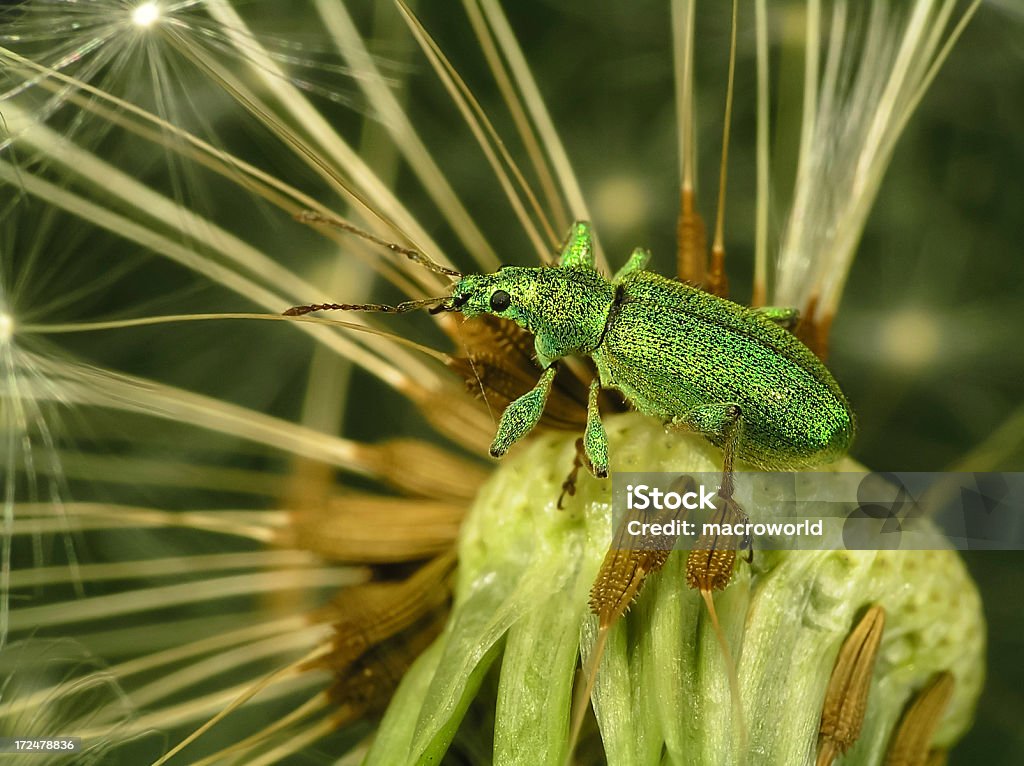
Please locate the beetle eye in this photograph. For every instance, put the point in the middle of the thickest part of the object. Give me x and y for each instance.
(500, 300)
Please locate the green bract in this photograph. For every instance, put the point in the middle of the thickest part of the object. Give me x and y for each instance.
(662, 694)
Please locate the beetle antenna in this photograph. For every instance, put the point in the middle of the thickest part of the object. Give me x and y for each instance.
(313, 216)
(718, 283)
(435, 304)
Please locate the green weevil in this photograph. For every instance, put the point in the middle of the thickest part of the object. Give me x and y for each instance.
(699, 362)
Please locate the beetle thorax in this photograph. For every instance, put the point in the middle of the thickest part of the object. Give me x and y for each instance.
(569, 311)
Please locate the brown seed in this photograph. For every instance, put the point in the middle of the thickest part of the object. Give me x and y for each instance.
(710, 565)
(417, 467)
(846, 698)
(717, 281)
(708, 569)
(911, 745)
(365, 528)
(619, 580)
(366, 686)
(630, 559)
(367, 615)
(691, 239)
(814, 330)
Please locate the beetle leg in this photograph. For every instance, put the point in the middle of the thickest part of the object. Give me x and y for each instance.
(709, 566)
(569, 485)
(723, 425)
(522, 414)
(783, 317)
(578, 250)
(591, 449)
(637, 262)
(595, 440)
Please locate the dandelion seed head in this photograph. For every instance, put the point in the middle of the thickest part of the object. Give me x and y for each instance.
(145, 15)
(6, 327)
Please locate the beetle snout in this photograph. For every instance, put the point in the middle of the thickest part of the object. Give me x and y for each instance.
(454, 303)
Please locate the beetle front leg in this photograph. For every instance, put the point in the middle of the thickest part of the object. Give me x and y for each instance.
(595, 440)
(522, 414)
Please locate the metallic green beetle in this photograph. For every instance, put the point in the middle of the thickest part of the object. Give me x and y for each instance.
(700, 362)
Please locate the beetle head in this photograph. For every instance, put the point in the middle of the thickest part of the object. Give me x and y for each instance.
(503, 293)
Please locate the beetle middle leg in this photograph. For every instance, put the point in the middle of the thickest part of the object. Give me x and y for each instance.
(592, 448)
